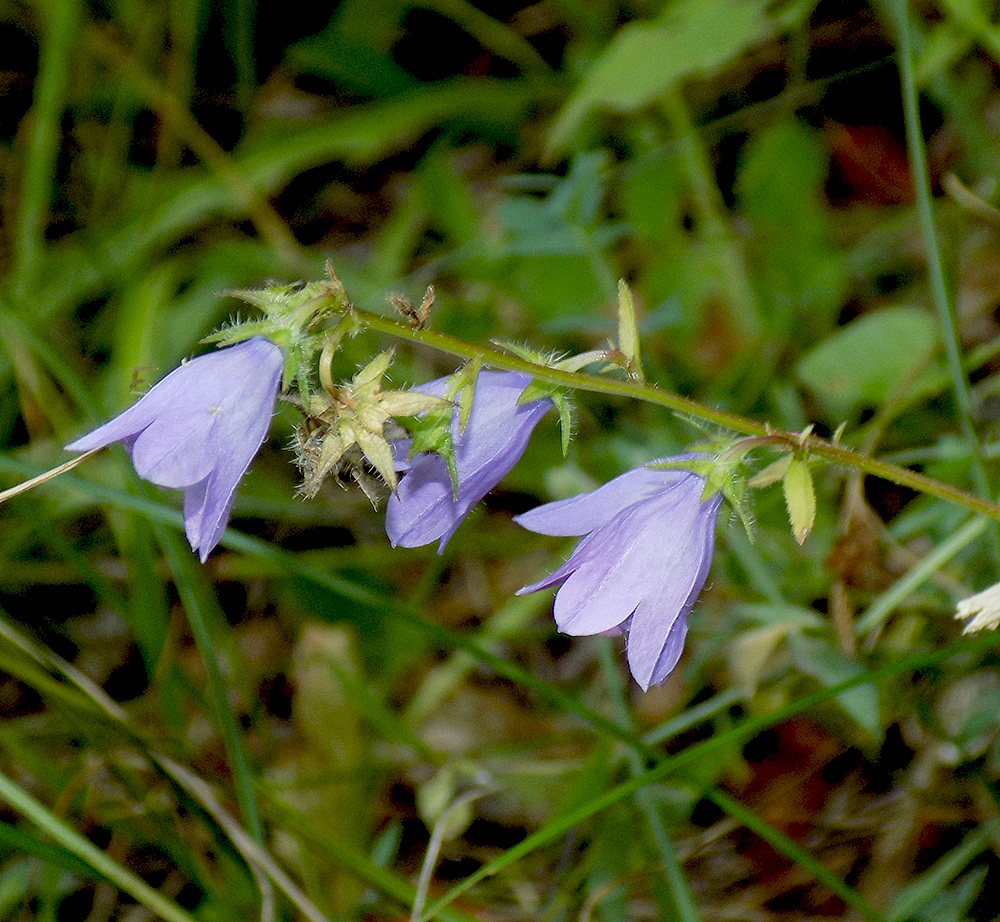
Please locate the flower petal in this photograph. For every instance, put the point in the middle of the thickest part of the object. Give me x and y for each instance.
(206, 514)
(199, 428)
(678, 569)
(600, 586)
(628, 560)
(588, 511)
(423, 508)
(172, 452)
(667, 660)
(640, 566)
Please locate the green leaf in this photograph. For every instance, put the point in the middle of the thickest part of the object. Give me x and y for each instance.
(800, 498)
(870, 358)
(628, 331)
(815, 657)
(645, 59)
(799, 271)
(771, 474)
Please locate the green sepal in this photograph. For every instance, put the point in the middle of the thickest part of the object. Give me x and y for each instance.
(431, 431)
(560, 396)
(734, 489)
(236, 331)
(298, 300)
(461, 389)
(722, 474)
(545, 359)
(567, 418)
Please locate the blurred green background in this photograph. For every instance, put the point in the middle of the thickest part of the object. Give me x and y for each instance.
(281, 733)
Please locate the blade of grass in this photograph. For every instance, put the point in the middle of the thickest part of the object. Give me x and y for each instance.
(678, 763)
(886, 603)
(289, 564)
(269, 224)
(914, 896)
(83, 696)
(692, 716)
(660, 770)
(14, 840)
(180, 202)
(380, 717)
(506, 623)
(378, 878)
(201, 607)
(77, 845)
(939, 290)
(496, 36)
(242, 14)
(718, 235)
(19, 841)
(785, 846)
(93, 700)
(249, 848)
(42, 143)
(683, 907)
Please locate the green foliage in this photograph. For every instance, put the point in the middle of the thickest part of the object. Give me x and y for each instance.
(868, 361)
(800, 273)
(644, 60)
(555, 248)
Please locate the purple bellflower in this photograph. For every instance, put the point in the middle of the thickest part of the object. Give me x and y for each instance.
(424, 508)
(198, 429)
(647, 546)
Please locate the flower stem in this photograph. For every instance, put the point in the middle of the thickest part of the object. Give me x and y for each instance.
(811, 444)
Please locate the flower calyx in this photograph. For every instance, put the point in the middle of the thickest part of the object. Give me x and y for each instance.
(432, 430)
(304, 318)
(344, 426)
(723, 473)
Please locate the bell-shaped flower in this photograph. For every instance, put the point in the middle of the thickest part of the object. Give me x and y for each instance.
(198, 429)
(647, 546)
(425, 508)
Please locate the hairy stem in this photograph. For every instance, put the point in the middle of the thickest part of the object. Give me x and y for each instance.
(811, 444)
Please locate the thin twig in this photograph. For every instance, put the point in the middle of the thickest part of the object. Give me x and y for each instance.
(38, 480)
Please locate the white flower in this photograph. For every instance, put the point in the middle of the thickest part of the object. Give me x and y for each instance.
(983, 608)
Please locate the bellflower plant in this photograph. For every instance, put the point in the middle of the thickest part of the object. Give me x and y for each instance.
(198, 430)
(648, 538)
(425, 507)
